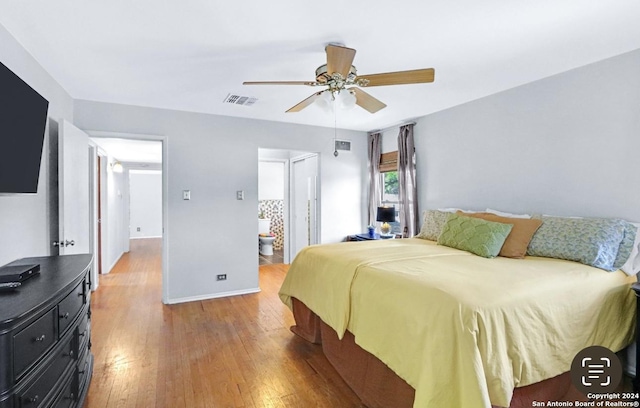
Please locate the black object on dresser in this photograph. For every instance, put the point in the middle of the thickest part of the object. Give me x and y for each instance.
(45, 328)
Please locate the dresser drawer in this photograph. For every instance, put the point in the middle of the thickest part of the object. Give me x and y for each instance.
(38, 392)
(70, 306)
(32, 342)
(87, 291)
(85, 368)
(84, 331)
(68, 396)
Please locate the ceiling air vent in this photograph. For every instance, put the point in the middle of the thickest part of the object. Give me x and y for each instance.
(343, 145)
(240, 100)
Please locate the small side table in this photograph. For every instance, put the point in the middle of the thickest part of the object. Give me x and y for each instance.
(636, 380)
(366, 237)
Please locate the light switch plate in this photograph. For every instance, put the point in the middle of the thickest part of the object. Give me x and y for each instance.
(240, 195)
(186, 194)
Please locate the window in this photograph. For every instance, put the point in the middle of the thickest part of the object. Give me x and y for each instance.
(389, 175)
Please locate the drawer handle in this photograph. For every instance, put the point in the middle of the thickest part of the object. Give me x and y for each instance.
(65, 316)
(69, 354)
(41, 338)
(33, 399)
(83, 334)
(71, 397)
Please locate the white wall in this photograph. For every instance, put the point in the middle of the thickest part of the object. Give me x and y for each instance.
(565, 145)
(29, 223)
(270, 180)
(389, 141)
(145, 189)
(215, 156)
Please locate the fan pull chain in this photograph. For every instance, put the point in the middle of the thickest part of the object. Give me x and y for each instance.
(335, 130)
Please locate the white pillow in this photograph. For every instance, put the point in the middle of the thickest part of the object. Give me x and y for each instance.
(506, 214)
(453, 210)
(632, 266)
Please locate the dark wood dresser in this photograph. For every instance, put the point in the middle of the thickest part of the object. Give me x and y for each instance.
(45, 327)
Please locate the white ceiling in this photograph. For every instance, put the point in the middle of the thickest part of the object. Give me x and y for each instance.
(189, 55)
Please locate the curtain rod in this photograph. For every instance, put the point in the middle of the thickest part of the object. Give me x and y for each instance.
(392, 127)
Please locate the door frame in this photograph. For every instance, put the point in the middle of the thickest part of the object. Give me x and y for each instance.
(98, 160)
(165, 184)
(285, 206)
(94, 204)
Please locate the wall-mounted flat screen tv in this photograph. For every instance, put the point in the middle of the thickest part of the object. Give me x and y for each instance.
(23, 118)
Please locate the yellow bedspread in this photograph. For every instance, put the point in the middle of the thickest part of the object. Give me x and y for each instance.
(461, 329)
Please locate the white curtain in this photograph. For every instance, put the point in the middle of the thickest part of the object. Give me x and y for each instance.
(375, 195)
(407, 185)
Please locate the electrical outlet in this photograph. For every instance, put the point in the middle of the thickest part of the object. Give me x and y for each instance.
(138, 229)
(221, 277)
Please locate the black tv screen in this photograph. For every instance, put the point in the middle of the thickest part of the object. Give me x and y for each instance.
(23, 117)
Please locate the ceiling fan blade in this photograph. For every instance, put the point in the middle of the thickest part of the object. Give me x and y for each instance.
(310, 83)
(416, 76)
(339, 59)
(305, 103)
(366, 101)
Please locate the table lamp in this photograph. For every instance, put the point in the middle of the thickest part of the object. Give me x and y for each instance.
(385, 215)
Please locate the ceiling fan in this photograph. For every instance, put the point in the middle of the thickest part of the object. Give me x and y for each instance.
(343, 82)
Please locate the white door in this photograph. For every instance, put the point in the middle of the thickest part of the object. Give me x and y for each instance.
(304, 203)
(300, 205)
(73, 190)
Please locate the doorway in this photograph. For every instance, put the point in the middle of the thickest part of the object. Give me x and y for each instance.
(288, 193)
(130, 173)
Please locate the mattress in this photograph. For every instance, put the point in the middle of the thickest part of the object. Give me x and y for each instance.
(462, 330)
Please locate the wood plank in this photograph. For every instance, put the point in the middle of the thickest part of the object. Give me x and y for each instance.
(229, 352)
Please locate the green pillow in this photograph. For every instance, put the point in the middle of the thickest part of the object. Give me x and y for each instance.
(475, 235)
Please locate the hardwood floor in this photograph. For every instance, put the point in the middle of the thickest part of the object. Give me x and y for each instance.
(229, 352)
(276, 258)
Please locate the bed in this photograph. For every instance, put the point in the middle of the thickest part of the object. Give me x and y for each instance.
(434, 326)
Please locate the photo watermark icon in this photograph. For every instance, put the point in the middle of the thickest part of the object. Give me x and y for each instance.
(596, 370)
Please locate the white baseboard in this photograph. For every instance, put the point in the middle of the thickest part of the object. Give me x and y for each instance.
(212, 296)
(115, 262)
(154, 236)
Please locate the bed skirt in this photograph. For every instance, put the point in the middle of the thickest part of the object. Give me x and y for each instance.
(378, 386)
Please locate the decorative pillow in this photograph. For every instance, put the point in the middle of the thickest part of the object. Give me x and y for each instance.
(632, 266)
(591, 241)
(626, 245)
(480, 237)
(432, 224)
(518, 240)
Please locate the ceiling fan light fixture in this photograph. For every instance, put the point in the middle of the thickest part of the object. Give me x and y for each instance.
(325, 101)
(346, 99)
(342, 99)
